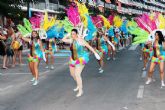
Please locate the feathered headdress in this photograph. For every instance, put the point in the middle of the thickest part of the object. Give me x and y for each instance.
(91, 29)
(149, 24)
(26, 29)
(117, 21)
(73, 15)
(106, 22)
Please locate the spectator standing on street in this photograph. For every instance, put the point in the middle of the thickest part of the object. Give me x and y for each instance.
(9, 42)
(3, 47)
(18, 51)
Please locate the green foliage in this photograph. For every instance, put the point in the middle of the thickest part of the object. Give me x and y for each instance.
(11, 7)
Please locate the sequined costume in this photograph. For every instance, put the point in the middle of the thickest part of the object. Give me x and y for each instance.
(158, 54)
(114, 40)
(50, 46)
(101, 46)
(35, 52)
(147, 50)
(79, 56)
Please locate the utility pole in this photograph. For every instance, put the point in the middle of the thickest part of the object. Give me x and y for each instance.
(28, 8)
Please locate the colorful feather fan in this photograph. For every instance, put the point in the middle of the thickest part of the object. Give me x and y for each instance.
(141, 35)
(106, 22)
(26, 29)
(73, 15)
(97, 21)
(91, 29)
(82, 9)
(123, 28)
(67, 25)
(36, 20)
(111, 32)
(110, 18)
(47, 23)
(117, 21)
(161, 21)
(52, 33)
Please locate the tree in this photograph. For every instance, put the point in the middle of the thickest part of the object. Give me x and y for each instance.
(8, 7)
(12, 8)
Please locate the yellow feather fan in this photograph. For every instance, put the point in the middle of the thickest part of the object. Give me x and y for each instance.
(161, 20)
(117, 21)
(48, 23)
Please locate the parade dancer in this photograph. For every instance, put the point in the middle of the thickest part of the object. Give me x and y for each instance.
(102, 48)
(36, 53)
(157, 58)
(50, 49)
(146, 53)
(115, 41)
(79, 57)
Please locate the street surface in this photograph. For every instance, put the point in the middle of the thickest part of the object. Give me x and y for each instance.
(120, 87)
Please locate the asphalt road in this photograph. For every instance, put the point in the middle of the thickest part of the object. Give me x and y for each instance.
(120, 87)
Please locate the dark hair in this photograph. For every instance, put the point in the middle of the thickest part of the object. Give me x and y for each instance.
(75, 30)
(36, 33)
(99, 34)
(161, 37)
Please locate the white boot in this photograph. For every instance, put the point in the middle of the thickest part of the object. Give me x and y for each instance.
(76, 89)
(108, 58)
(33, 79)
(35, 83)
(80, 93)
(101, 71)
(144, 69)
(52, 67)
(162, 83)
(148, 81)
(47, 67)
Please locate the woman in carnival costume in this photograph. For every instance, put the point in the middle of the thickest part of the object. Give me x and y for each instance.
(147, 54)
(157, 58)
(36, 53)
(115, 41)
(50, 48)
(149, 30)
(79, 57)
(102, 48)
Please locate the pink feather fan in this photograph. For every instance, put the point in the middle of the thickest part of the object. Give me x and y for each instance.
(110, 18)
(143, 23)
(73, 15)
(36, 20)
(97, 20)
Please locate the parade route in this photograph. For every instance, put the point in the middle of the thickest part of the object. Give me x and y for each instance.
(120, 87)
